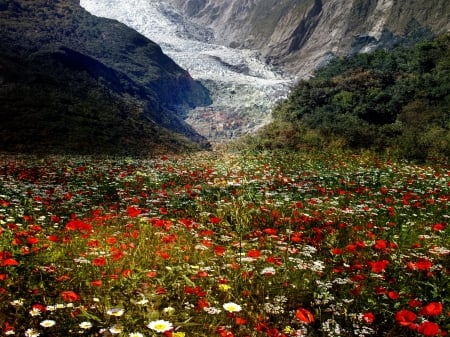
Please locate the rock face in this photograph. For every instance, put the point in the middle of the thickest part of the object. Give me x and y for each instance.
(298, 35)
(73, 81)
(242, 86)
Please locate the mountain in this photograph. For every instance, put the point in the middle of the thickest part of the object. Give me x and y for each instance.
(73, 82)
(299, 35)
(242, 86)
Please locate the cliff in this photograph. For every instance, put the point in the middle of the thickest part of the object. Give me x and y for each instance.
(300, 35)
(70, 81)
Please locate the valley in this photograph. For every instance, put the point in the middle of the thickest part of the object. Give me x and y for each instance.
(242, 86)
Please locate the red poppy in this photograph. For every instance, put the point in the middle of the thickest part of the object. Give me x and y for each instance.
(380, 245)
(163, 255)
(304, 315)
(117, 255)
(133, 211)
(214, 220)
(73, 225)
(432, 309)
(337, 251)
(254, 253)
(202, 303)
(9, 262)
(378, 266)
(406, 317)
(428, 329)
(223, 332)
(438, 227)
(274, 260)
(96, 283)
(70, 296)
(414, 303)
(99, 261)
(111, 240)
(7, 328)
(368, 317)
(53, 238)
(393, 295)
(219, 250)
(241, 321)
(421, 264)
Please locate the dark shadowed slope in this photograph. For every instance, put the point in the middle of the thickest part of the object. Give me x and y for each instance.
(72, 82)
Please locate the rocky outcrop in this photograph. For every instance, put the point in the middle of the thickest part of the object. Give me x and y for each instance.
(299, 35)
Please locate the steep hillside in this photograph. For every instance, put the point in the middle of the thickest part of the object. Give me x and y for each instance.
(70, 81)
(395, 101)
(299, 35)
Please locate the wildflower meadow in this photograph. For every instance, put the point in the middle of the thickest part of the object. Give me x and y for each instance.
(222, 244)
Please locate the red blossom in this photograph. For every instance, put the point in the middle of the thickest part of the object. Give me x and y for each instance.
(202, 303)
(304, 315)
(368, 317)
(422, 264)
(7, 328)
(406, 318)
(99, 261)
(223, 332)
(96, 283)
(432, 309)
(133, 211)
(428, 329)
(219, 250)
(378, 266)
(111, 240)
(163, 255)
(393, 295)
(254, 253)
(79, 225)
(414, 303)
(337, 251)
(240, 321)
(70, 296)
(53, 238)
(438, 227)
(214, 220)
(9, 262)
(380, 245)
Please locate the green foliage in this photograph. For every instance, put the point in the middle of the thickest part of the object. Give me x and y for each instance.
(396, 101)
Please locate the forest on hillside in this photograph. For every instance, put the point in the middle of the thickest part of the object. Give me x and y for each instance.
(395, 101)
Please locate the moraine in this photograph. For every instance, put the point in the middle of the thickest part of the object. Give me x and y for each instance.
(242, 86)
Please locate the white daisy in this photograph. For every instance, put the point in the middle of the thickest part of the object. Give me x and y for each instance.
(232, 307)
(160, 325)
(85, 325)
(115, 312)
(47, 323)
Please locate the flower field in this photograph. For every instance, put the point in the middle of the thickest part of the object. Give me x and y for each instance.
(210, 244)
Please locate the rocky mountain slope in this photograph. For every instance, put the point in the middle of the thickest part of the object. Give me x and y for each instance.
(242, 86)
(299, 35)
(71, 81)
(250, 52)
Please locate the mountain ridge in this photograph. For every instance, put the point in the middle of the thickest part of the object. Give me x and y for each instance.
(64, 58)
(300, 35)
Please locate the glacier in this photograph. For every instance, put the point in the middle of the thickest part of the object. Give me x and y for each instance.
(242, 86)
